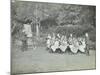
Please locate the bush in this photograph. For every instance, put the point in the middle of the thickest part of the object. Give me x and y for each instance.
(76, 30)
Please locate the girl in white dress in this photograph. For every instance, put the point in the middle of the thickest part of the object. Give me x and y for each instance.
(64, 44)
(55, 46)
(82, 44)
(48, 41)
(73, 44)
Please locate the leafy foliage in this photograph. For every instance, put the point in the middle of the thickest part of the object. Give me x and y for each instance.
(52, 15)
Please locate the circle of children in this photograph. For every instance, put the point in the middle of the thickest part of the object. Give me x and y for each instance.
(63, 43)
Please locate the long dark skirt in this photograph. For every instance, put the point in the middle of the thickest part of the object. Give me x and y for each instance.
(24, 45)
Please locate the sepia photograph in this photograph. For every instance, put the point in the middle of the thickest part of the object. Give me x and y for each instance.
(52, 37)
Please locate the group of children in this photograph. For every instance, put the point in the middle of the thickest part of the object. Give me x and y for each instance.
(58, 42)
(62, 42)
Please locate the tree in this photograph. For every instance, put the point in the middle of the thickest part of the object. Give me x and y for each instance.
(62, 14)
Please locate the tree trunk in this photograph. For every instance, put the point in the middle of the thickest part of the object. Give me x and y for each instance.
(37, 31)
